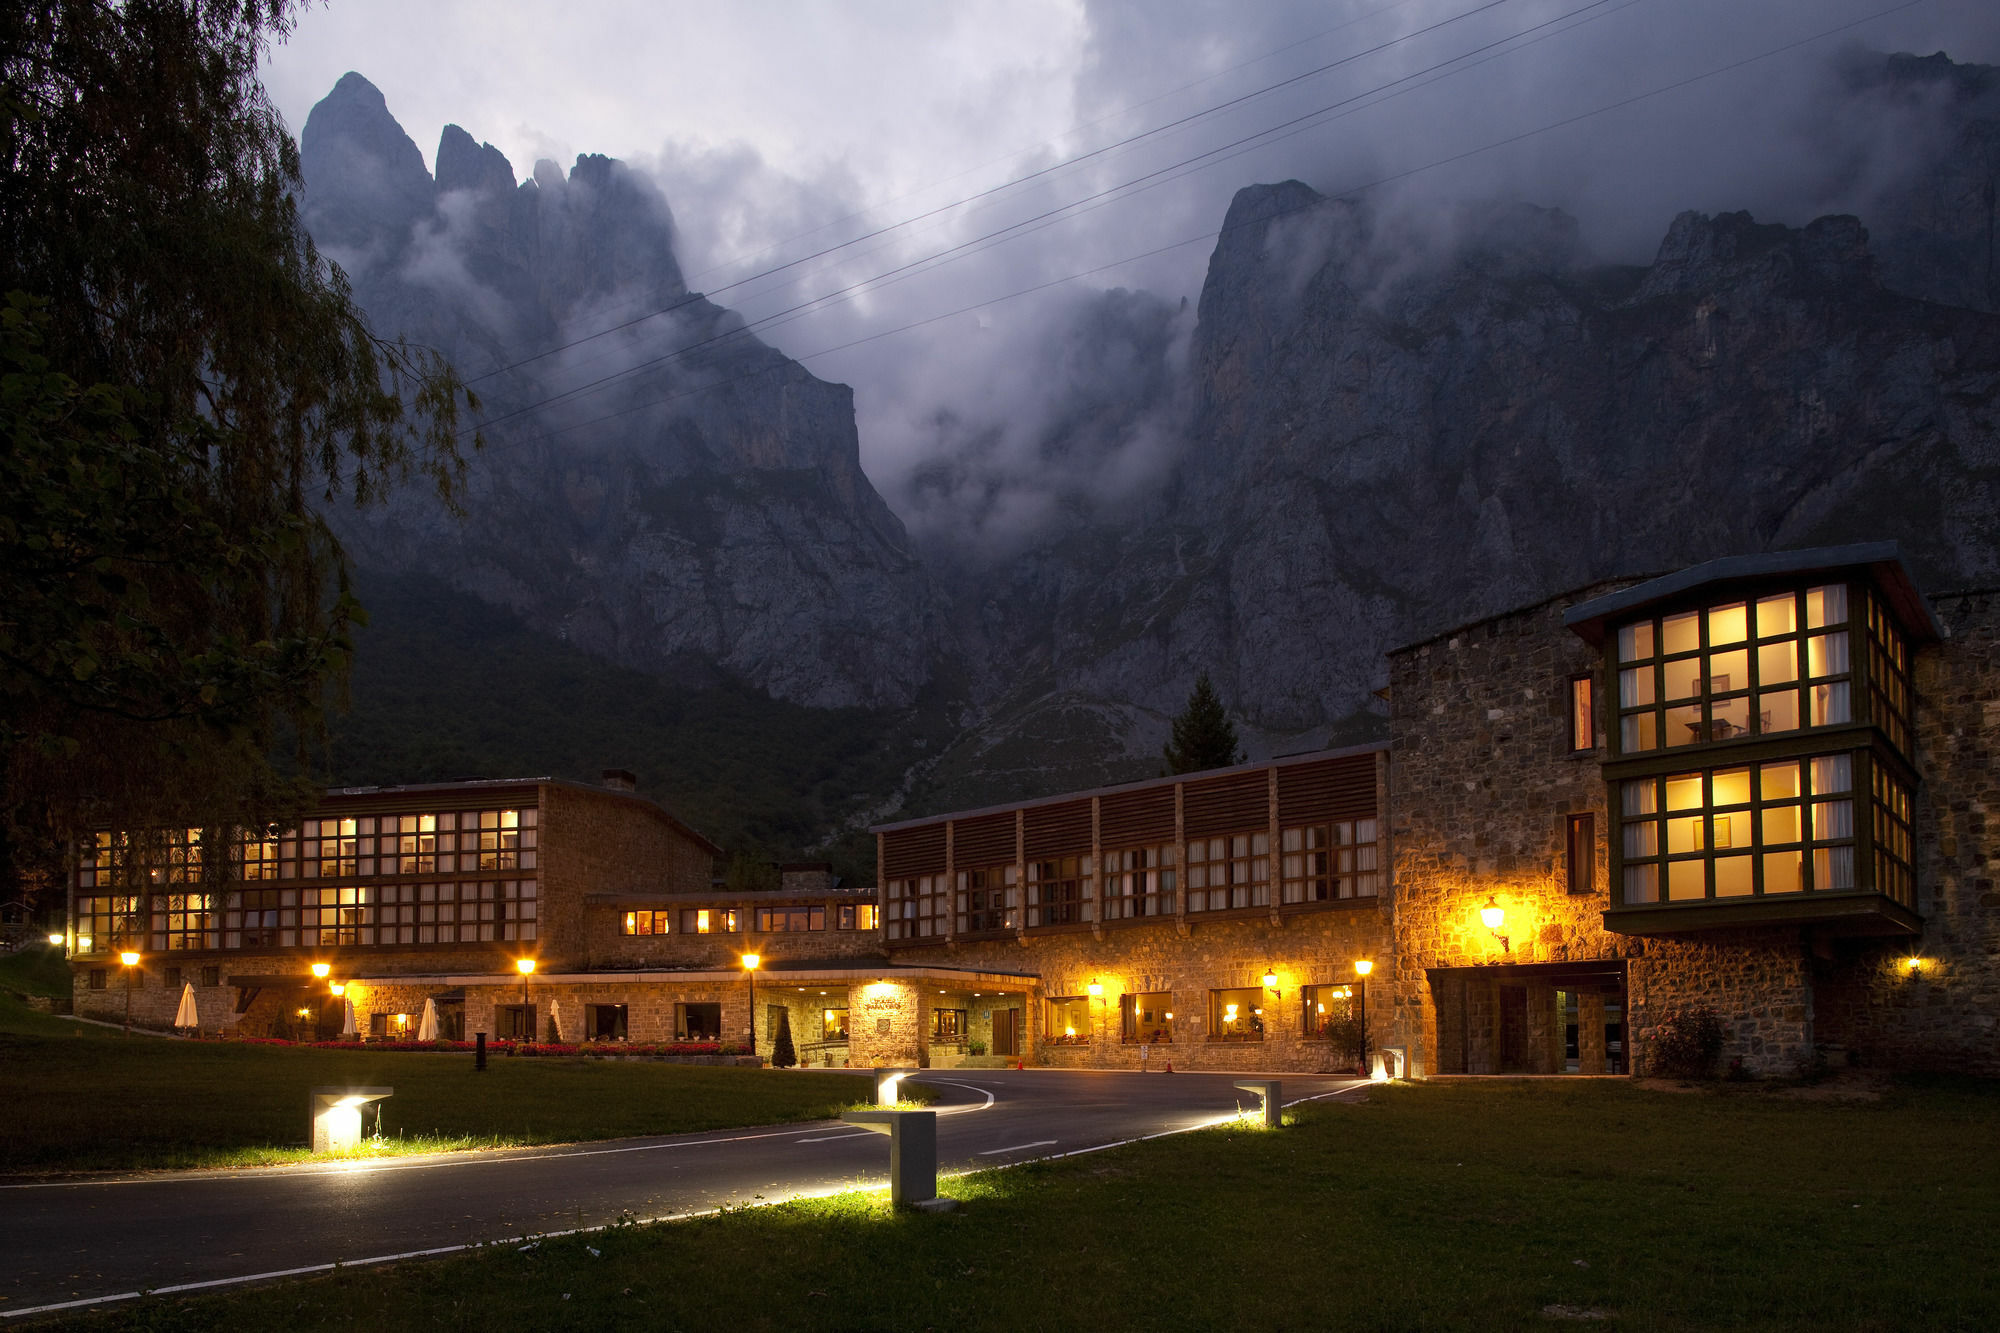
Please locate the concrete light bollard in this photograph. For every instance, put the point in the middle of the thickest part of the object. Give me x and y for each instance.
(1274, 1100)
(912, 1156)
(336, 1116)
(886, 1081)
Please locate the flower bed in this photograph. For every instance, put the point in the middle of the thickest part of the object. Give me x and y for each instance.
(679, 1050)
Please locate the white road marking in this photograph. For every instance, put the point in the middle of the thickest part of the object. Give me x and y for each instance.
(1019, 1147)
(834, 1138)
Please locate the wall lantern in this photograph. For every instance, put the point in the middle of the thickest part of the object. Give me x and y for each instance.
(1096, 989)
(1271, 982)
(1493, 916)
(1363, 966)
(338, 987)
(129, 958)
(1914, 963)
(55, 939)
(321, 970)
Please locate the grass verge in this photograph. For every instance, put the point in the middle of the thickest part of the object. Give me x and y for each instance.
(81, 1097)
(1503, 1206)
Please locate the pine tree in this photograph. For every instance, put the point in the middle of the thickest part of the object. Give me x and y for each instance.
(1204, 737)
(783, 1055)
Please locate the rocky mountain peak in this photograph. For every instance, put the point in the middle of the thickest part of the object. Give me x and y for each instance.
(370, 188)
(463, 163)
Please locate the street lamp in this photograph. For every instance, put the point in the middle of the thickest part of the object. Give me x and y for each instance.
(750, 962)
(526, 967)
(131, 960)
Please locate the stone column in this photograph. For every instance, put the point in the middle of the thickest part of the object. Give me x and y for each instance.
(1590, 1032)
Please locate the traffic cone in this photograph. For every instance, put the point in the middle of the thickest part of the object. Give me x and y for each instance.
(1170, 1067)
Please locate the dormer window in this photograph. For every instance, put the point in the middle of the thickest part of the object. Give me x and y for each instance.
(1746, 667)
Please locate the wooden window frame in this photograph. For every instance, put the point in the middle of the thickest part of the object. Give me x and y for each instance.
(1580, 853)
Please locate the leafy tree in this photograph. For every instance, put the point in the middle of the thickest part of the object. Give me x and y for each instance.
(1204, 737)
(748, 873)
(186, 382)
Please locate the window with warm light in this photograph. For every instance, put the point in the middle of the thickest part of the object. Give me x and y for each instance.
(107, 922)
(1059, 892)
(1067, 1019)
(1139, 882)
(1582, 714)
(646, 923)
(698, 1022)
(915, 908)
(989, 901)
(949, 1026)
(1331, 861)
(1146, 1017)
(709, 921)
(1236, 1015)
(858, 916)
(1228, 872)
(1758, 666)
(833, 1025)
(1333, 1013)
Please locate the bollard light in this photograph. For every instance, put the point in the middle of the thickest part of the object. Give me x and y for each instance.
(336, 1116)
(1274, 1101)
(912, 1155)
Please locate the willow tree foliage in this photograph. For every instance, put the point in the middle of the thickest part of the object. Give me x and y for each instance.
(187, 386)
(1203, 736)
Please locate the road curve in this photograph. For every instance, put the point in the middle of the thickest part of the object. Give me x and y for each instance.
(83, 1239)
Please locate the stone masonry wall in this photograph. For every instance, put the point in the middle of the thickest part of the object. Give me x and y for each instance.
(605, 842)
(1944, 1013)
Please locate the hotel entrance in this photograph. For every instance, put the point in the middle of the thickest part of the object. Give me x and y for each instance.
(1531, 1018)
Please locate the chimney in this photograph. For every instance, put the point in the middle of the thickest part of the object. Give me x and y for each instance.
(621, 779)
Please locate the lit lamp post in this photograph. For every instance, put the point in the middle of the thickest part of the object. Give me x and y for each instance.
(750, 962)
(526, 967)
(1362, 967)
(131, 960)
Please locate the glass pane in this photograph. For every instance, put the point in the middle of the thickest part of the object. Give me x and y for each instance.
(1826, 655)
(1832, 819)
(1729, 831)
(1781, 825)
(1728, 672)
(1635, 686)
(1682, 633)
(1685, 835)
(1687, 879)
(1783, 872)
(1778, 663)
(1684, 725)
(1730, 786)
(1642, 839)
(1635, 642)
(1727, 624)
(1732, 876)
(1684, 792)
(1778, 710)
(1826, 606)
(1829, 704)
(1833, 868)
(1729, 718)
(1777, 782)
(1639, 798)
(1642, 884)
(1638, 732)
(1777, 615)
(1832, 772)
(1683, 678)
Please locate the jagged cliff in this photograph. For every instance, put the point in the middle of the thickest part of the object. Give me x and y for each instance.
(705, 513)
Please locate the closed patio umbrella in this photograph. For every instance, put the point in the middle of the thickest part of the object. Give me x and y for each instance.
(347, 1018)
(427, 1026)
(187, 1016)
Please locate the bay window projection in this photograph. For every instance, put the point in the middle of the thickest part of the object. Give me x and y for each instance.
(1139, 881)
(1236, 1015)
(1146, 1017)
(1068, 1019)
(1228, 872)
(1769, 830)
(915, 907)
(1058, 892)
(1888, 675)
(1775, 664)
(988, 900)
(1327, 862)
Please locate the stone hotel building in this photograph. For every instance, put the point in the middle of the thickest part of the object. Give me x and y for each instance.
(1760, 786)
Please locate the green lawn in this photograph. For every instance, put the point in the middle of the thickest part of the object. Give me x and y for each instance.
(1442, 1206)
(38, 970)
(77, 1096)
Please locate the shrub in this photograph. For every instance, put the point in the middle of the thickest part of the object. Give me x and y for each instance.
(1686, 1043)
(975, 1047)
(783, 1054)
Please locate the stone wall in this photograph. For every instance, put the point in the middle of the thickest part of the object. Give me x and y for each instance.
(606, 842)
(608, 947)
(1945, 1013)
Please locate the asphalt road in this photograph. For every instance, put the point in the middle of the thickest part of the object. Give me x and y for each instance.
(81, 1239)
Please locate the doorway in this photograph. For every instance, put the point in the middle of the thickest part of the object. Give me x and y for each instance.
(1006, 1032)
(1530, 1018)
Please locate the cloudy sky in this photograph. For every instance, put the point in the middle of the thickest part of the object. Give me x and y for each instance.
(777, 130)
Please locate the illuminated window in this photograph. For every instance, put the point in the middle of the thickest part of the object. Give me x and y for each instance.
(1580, 852)
(1582, 718)
(1333, 1013)
(106, 922)
(861, 916)
(1758, 667)
(499, 839)
(784, 919)
(1068, 1020)
(915, 908)
(833, 1025)
(257, 856)
(698, 1022)
(646, 923)
(1228, 872)
(1146, 1017)
(988, 900)
(331, 848)
(1327, 862)
(949, 1026)
(419, 840)
(1138, 882)
(1058, 891)
(708, 921)
(185, 921)
(1768, 830)
(1236, 1015)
